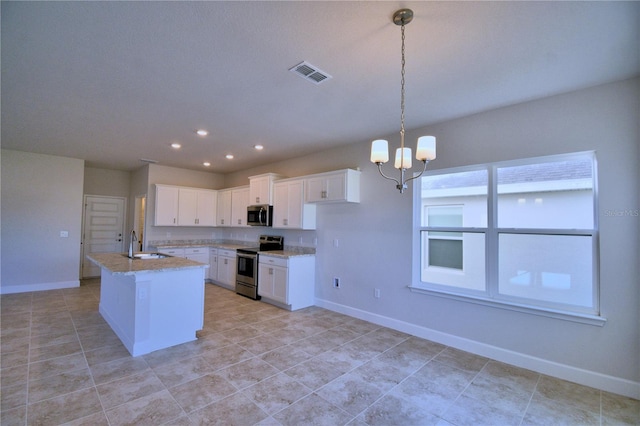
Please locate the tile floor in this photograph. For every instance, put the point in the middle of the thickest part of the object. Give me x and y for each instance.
(257, 364)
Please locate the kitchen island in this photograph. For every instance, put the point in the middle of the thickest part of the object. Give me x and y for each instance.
(151, 303)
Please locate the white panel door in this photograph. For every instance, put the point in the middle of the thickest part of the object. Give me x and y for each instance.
(103, 230)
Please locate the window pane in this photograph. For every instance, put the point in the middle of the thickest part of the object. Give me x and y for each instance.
(445, 253)
(453, 259)
(549, 268)
(462, 193)
(444, 216)
(551, 195)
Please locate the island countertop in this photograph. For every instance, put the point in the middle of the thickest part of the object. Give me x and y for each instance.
(119, 263)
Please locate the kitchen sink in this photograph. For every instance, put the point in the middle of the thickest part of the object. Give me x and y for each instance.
(144, 256)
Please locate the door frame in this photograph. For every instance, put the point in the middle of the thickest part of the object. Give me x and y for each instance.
(140, 210)
(84, 209)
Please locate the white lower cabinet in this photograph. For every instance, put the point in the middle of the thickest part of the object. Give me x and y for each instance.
(213, 264)
(199, 254)
(227, 268)
(289, 282)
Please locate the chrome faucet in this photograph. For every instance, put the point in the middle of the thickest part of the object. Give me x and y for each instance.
(132, 238)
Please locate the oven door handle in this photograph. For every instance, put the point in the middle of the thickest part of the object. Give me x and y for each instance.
(246, 256)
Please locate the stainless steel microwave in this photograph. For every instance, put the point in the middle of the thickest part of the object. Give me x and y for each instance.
(260, 215)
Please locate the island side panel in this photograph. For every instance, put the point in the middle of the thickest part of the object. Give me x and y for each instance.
(151, 311)
(117, 305)
(169, 309)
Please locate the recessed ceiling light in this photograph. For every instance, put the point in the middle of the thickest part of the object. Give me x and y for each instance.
(176, 145)
(206, 164)
(202, 132)
(229, 156)
(258, 147)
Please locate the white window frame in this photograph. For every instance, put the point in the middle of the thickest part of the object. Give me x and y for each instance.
(490, 297)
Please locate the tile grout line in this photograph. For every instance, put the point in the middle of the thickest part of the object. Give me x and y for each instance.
(533, 393)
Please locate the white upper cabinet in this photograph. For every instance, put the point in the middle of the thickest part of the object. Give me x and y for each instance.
(196, 207)
(289, 208)
(338, 186)
(224, 208)
(261, 188)
(239, 203)
(180, 206)
(166, 213)
(232, 206)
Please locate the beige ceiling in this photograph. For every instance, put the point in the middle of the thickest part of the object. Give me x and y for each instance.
(113, 82)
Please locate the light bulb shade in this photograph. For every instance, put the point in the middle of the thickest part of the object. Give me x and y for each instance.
(403, 158)
(426, 149)
(379, 151)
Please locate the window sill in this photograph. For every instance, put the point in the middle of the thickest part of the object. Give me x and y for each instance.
(549, 313)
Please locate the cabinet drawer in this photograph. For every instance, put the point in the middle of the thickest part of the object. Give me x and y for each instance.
(173, 252)
(273, 261)
(196, 250)
(226, 253)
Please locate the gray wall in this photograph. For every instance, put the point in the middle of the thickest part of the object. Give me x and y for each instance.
(375, 237)
(106, 182)
(41, 196)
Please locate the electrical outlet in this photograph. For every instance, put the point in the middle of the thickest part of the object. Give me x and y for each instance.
(376, 293)
(336, 282)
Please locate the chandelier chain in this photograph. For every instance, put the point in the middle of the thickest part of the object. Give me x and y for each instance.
(402, 87)
(425, 149)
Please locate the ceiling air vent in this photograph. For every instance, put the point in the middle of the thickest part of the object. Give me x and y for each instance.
(310, 73)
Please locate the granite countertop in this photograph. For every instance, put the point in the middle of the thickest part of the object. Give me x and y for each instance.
(289, 251)
(229, 245)
(118, 263)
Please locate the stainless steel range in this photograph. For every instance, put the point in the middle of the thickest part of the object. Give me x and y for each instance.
(247, 265)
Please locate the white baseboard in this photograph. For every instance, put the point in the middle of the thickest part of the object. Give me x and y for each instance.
(592, 379)
(38, 287)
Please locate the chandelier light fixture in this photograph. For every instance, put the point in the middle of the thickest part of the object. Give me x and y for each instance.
(426, 148)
